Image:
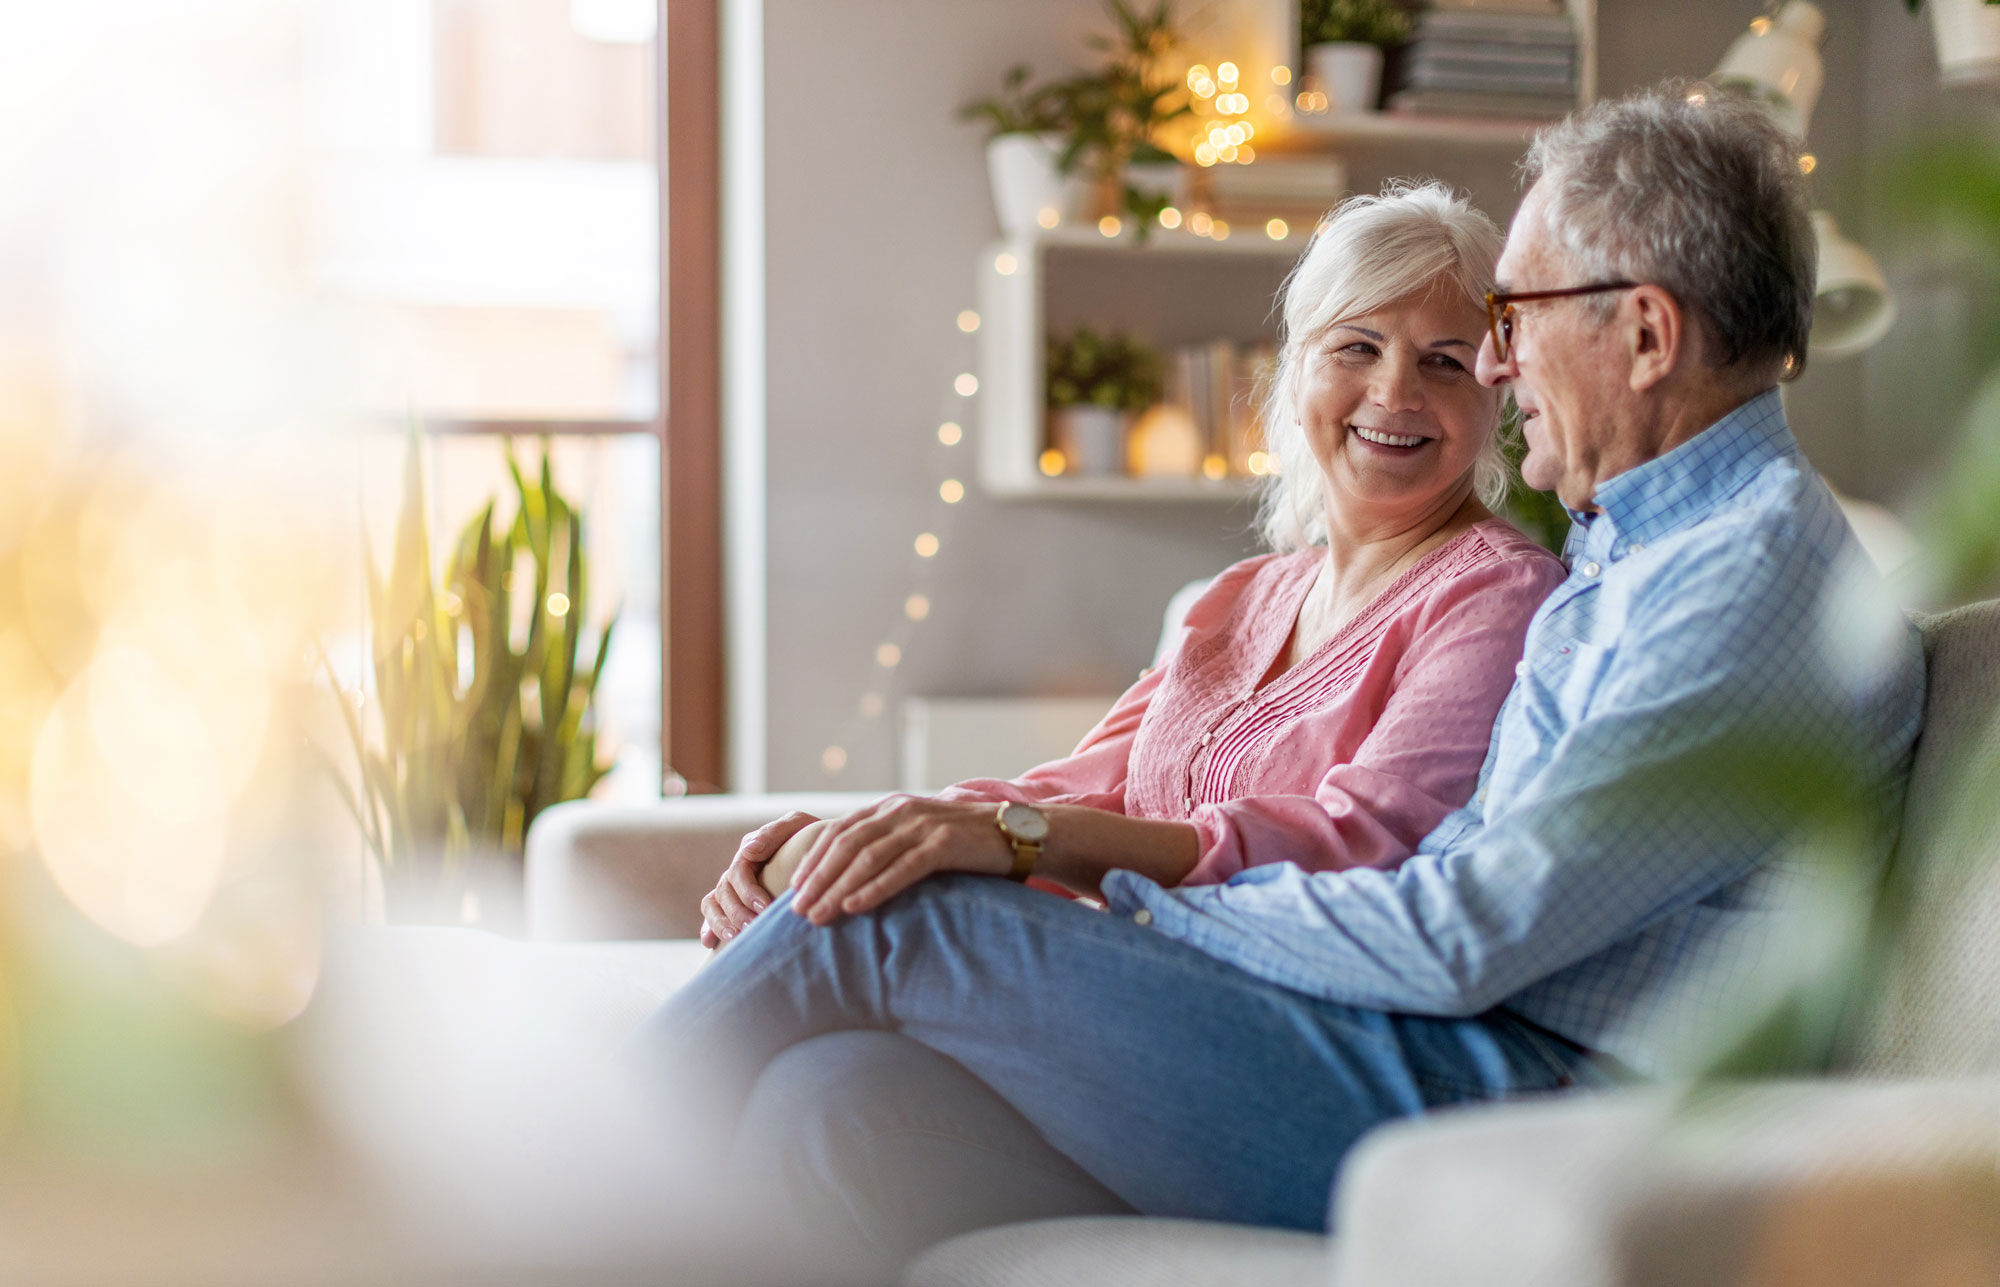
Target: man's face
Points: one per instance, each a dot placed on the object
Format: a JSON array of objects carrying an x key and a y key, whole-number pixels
[{"x": 1565, "y": 372}]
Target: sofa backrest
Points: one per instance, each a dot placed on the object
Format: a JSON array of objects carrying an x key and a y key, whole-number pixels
[{"x": 1938, "y": 1010}]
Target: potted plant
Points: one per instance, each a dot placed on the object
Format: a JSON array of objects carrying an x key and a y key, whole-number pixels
[
  {"x": 1024, "y": 150},
  {"x": 1968, "y": 40},
  {"x": 1095, "y": 383},
  {"x": 1114, "y": 116},
  {"x": 1343, "y": 42},
  {"x": 481, "y": 710}
]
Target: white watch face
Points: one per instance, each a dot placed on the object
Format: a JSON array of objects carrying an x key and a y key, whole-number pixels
[{"x": 1024, "y": 822}]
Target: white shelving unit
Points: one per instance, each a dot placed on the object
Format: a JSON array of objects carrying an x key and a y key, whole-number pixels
[
  {"x": 1175, "y": 288},
  {"x": 1178, "y": 288}
]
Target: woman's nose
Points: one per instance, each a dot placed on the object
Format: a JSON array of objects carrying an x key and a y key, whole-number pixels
[{"x": 1397, "y": 387}]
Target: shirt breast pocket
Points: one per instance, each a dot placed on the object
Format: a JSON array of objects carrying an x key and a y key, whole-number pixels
[{"x": 1564, "y": 683}]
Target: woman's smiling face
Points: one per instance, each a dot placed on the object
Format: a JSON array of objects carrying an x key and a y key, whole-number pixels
[{"x": 1392, "y": 410}]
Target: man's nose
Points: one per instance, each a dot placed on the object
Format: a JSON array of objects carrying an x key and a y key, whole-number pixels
[{"x": 1492, "y": 372}]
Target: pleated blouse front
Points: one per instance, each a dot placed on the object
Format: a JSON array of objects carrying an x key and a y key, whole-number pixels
[{"x": 1346, "y": 759}]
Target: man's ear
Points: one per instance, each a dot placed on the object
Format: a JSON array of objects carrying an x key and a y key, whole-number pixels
[{"x": 1657, "y": 333}]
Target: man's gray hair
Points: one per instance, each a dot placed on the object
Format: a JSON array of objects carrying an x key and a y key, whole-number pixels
[
  {"x": 1697, "y": 192},
  {"x": 1369, "y": 253}
]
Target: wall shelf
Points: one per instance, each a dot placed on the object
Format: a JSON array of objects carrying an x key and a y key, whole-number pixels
[{"x": 1174, "y": 289}]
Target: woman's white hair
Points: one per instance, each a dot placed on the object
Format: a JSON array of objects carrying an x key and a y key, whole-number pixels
[{"x": 1370, "y": 252}]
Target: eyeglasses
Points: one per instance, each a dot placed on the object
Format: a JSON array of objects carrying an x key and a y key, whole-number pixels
[{"x": 1500, "y": 309}]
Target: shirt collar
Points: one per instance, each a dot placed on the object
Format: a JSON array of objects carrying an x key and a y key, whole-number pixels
[{"x": 1669, "y": 492}]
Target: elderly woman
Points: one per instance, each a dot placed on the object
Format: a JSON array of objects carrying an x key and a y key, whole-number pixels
[{"x": 1327, "y": 704}]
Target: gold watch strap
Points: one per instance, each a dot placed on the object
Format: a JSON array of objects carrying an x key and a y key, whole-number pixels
[{"x": 1026, "y": 854}]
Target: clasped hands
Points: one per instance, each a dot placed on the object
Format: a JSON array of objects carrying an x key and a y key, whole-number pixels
[{"x": 853, "y": 864}]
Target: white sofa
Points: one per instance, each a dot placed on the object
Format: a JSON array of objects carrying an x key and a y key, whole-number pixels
[{"x": 1886, "y": 1173}]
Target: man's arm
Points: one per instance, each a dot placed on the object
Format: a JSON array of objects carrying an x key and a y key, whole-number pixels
[{"x": 1713, "y": 734}]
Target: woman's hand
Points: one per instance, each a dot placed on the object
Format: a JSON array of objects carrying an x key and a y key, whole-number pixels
[
  {"x": 867, "y": 858},
  {"x": 740, "y": 895}
]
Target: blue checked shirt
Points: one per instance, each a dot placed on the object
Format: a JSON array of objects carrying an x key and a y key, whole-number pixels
[{"x": 1598, "y": 884}]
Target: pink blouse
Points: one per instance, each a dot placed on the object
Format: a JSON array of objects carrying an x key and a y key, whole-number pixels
[{"x": 1349, "y": 758}]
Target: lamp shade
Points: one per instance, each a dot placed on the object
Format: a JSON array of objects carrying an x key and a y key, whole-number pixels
[
  {"x": 1777, "y": 63},
  {"x": 1852, "y": 306}
]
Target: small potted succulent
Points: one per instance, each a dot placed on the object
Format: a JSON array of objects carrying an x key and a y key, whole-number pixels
[
  {"x": 1096, "y": 383},
  {"x": 1025, "y": 148},
  {"x": 1343, "y": 41}
]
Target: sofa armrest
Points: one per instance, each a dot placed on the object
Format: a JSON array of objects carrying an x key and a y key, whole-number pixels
[
  {"x": 1823, "y": 1183},
  {"x": 597, "y": 870}
]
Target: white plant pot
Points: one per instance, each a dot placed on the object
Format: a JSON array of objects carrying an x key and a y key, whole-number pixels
[
  {"x": 1028, "y": 191},
  {"x": 1968, "y": 41},
  {"x": 1349, "y": 74},
  {"x": 1091, "y": 438}
]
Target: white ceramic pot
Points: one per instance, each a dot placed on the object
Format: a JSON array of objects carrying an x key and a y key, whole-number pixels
[
  {"x": 1349, "y": 74},
  {"x": 1091, "y": 438},
  {"x": 1026, "y": 185},
  {"x": 1968, "y": 41}
]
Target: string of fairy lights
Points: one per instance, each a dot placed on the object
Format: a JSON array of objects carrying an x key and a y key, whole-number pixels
[
  {"x": 1223, "y": 137},
  {"x": 924, "y": 546}
]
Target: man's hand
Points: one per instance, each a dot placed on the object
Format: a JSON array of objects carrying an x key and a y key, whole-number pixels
[
  {"x": 739, "y": 896},
  {"x": 867, "y": 858}
]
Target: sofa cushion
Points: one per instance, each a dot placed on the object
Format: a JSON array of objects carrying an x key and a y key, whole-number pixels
[
  {"x": 1126, "y": 1251},
  {"x": 1938, "y": 1011}
]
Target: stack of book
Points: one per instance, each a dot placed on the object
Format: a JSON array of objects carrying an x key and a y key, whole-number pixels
[
  {"x": 1510, "y": 58},
  {"x": 1296, "y": 189},
  {"x": 1222, "y": 385}
]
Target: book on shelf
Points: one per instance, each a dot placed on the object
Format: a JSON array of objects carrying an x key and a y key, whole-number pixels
[
  {"x": 1481, "y": 82},
  {"x": 1494, "y": 28},
  {"x": 1439, "y": 102},
  {"x": 1509, "y": 8},
  {"x": 1221, "y": 384},
  {"x": 1297, "y": 189}
]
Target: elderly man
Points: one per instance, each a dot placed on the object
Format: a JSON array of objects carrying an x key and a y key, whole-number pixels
[{"x": 1712, "y": 677}]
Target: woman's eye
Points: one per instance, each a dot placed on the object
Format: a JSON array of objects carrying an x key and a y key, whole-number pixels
[
  {"x": 1360, "y": 348},
  {"x": 1446, "y": 362}
]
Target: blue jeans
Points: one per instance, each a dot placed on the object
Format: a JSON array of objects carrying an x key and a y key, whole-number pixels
[{"x": 1052, "y": 1059}]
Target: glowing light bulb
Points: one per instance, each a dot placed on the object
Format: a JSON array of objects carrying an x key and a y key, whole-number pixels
[
  {"x": 1808, "y": 163},
  {"x": 1275, "y": 104},
  {"x": 1051, "y": 463},
  {"x": 1200, "y": 224},
  {"x": 871, "y": 705},
  {"x": 949, "y": 433},
  {"x": 968, "y": 321},
  {"x": 926, "y": 545},
  {"x": 1277, "y": 230},
  {"x": 1226, "y": 73},
  {"x": 917, "y": 607},
  {"x": 1005, "y": 264},
  {"x": 1204, "y": 154},
  {"x": 1219, "y": 230},
  {"x": 1170, "y": 218},
  {"x": 1048, "y": 216},
  {"x": 1214, "y": 467},
  {"x": 1281, "y": 75},
  {"x": 1228, "y": 153},
  {"x": 833, "y": 759},
  {"x": 1259, "y": 463},
  {"x": 558, "y": 604},
  {"x": 951, "y": 491},
  {"x": 888, "y": 656},
  {"x": 1245, "y": 154},
  {"x": 1203, "y": 88},
  {"x": 1110, "y": 226},
  {"x": 966, "y": 384}
]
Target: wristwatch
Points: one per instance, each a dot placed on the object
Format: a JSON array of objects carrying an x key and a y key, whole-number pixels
[{"x": 1025, "y": 827}]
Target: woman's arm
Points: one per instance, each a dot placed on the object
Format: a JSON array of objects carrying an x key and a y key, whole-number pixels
[{"x": 869, "y": 857}]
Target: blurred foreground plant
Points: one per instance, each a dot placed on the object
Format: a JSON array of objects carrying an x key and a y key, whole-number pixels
[{"x": 482, "y": 715}]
